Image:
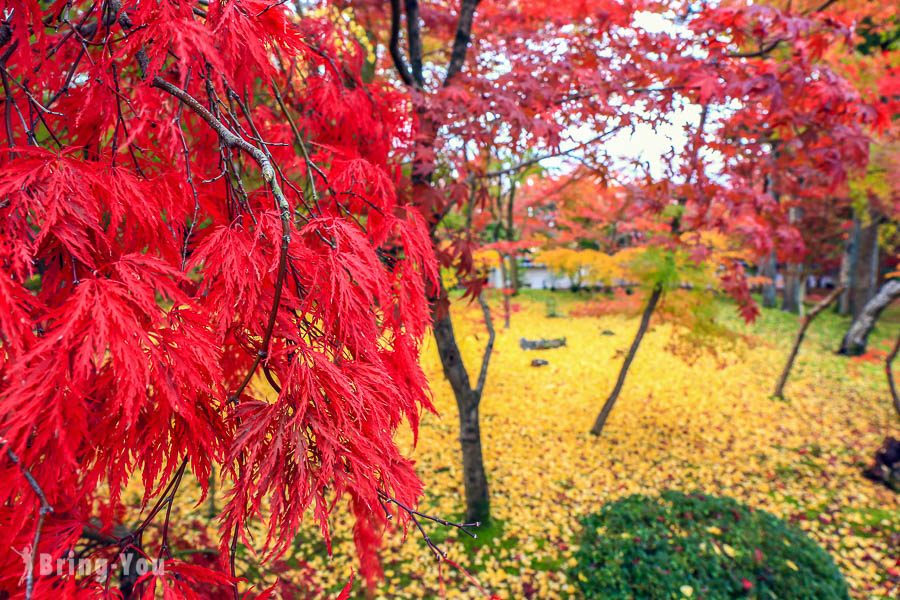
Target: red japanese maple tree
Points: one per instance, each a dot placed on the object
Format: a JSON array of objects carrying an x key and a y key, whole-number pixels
[{"x": 197, "y": 202}]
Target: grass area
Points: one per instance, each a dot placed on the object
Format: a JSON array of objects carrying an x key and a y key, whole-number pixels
[{"x": 685, "y": 421}]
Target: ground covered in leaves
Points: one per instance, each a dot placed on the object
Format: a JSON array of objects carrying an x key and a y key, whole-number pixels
[{"x": 687, "y": 420}]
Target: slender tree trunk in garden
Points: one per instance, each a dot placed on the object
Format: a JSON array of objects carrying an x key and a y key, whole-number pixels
[
  {"x": 846, "y": 274},
  {"x": 642, "y": 329},
  {"x": 769, "y": 292},
  {"x": 474, "y": 476},
  {"x": 468, "y": 400},
  {"x": 801, "y": 333},
  {"x": 504, "y": 276},
  {"x": 793, "y": 289},
  {"x": 793, "y": 279},
  {"x": 865, "y": 272},
  {"x": 854, "y": 342},
  {"x": 514, "y": 273}
]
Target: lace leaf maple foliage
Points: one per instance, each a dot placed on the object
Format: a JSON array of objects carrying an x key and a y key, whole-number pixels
[{"x": 196, "y": 201}]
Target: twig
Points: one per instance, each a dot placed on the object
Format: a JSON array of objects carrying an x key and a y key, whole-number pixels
[
  {"x": 415, "y": 515},
  {"x": 43, "y": 511}
]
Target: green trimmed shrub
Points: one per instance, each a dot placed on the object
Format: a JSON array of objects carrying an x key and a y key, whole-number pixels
[{"x": 696, "y": 546}]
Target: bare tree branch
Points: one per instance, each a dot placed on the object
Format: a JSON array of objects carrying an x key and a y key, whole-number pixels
[
  {"x": 764, "y": 50},
  {"x": 463, "y": 37},
  {"x": 394, "y": 45},
  {"x": 414, "y": 39},
  {"x": 488, "y": 348},
  {"x": 533, "y": 161},
  {"x": 44, "y": 509}
]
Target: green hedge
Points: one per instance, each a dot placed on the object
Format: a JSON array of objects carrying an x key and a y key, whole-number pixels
[{"x": 692, "y": 545}]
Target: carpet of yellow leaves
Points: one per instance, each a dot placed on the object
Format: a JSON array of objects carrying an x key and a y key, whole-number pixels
[{"x": 707, "y": 423}]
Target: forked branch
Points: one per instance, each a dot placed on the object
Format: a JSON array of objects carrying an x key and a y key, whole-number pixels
[
  {"x": 44, "y": 509},
  {"x": 230, "y": 139},
  {"x": 415, "y": 516}
]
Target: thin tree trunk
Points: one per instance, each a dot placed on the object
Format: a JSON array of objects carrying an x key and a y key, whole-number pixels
[
  {"x": 793, "y": 278},
  {"x": 642, "y": 329},
  {"x": 890, "y": 375},
  {"x": 846, "y": 275},
  {"x": 793, "y": 289},
  {"x": 504, "y": 276},
  {"x": 769, "y": 292},
  {"x": 857, "y": 336},
  {"x": 467, "y": 403},
  {"x": 478, "y": 509},
  {"x": 801, "y": 333},
  {"x": 865, "y": 276},
  {"x": 510, "y": 235}
]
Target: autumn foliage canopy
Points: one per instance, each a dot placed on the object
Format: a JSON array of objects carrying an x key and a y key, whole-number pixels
[{"x": 196, "y": 199}]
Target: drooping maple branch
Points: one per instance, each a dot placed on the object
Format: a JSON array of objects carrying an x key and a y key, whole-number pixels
[
  {"x": 189, "y": 177},
  {"x": 310, "y": 165},
  {"x": 462, "y": 39},
  {"x": 262, "y": 158},
  {"x": 170, "y": 500},
  {"x": 801, "y": 333},
  {"x": 44, "y": 509}
]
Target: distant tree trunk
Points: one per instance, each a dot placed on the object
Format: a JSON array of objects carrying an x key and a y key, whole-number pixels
[
  {"x": 769, "y": 268},
  {"x": 854, "y": 342},
  {"x": 864, "y": 281},
  {"x": 505, "y": 287},
  {"x": 890, "y": 375},
  {"x": 801, "y": 333},
  {"x": 792, "y": 301},
  {"x": 510, "y": 235},
  {"x": 793, "y": 278},
  {"x": 846, "y": 275},
  {"x": 514, "y": 273},
  {"x": 468, "y": 400},
  {"x": 642, "y": 329}
]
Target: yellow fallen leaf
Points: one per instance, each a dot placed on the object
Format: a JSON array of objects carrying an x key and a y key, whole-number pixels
[
  {"x": 791, "y": 565},
  {"x": 728, "y": 550},
  {"x": 714, "y": 530},
  {"x": 687, "y": 590}
]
